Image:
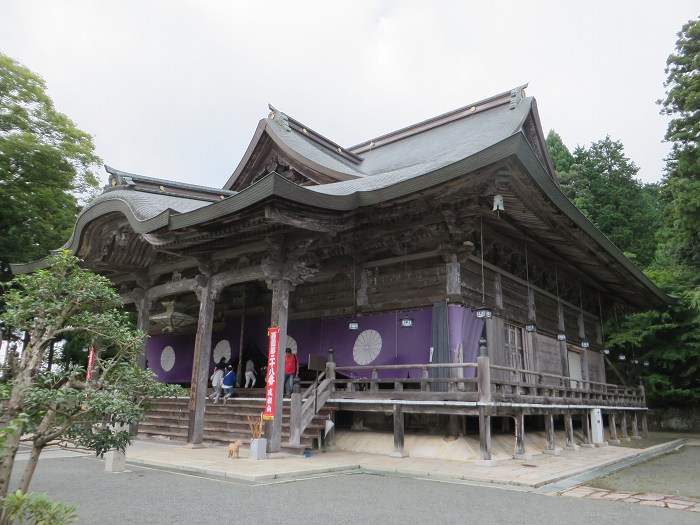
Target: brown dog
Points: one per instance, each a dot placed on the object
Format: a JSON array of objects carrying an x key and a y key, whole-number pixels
[{"x": 233, "y": 449}]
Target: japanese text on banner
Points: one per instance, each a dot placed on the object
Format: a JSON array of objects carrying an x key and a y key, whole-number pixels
[{"x": 274, "y": 334}]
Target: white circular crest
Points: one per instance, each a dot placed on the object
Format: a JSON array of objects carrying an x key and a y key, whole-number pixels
[
  {"x": 222, "y": 349},
  {"x": 167, "y": 358},
  {"x": 291, "y": 343},
  {"x": 367, "y": 347}
]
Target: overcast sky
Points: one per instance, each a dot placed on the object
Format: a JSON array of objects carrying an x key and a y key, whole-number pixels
[{"x": 175, "y": 89}]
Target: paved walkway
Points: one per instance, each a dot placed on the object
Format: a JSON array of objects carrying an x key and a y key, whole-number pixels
[
  {"x": 652, "y": 500},
  {"x": 564, "y": 474}
]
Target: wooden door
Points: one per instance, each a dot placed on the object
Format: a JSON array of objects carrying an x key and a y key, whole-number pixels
[{"x": 575, "y": 369}]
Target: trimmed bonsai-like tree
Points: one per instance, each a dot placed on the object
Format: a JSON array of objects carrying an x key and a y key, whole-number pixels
[{"x": 42, "y": 407}]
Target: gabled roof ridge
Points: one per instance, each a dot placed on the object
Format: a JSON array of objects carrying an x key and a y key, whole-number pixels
[
  {"x": 511, "y": 97},
  {"x": 287, "y": 123},
  {"x": 120, "y": 178}
]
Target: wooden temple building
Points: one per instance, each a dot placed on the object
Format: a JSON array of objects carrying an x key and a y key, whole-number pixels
[{"x": 440, "y": 264}]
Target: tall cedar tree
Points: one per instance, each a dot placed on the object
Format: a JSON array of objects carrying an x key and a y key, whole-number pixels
[
  {"x": 682, "y": 179},
  {"x": 669, "y": 340},
  {"x": 601, "y": 182}
]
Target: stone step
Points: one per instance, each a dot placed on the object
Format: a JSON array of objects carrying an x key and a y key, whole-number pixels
[{"x": 169, "y": 419}]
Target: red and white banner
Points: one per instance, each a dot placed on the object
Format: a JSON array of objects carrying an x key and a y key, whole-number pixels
[
  {"x": 91, "y": 363},
  {"x": 271, "y": 380}
]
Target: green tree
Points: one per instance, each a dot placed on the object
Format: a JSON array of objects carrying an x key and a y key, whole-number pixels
[
  {"x": 43, "y": 407},
  {"x": 45, "y": 168},
  {"x": 601, "y": 182},
  {"x": 560, "y": 154},
  {"x": 681, "y": 184},
  {"x": 670, "y": 340}
]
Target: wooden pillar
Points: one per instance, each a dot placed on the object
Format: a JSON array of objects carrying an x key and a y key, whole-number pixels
[
  {"x": 239, "y": 369},
  {"x": 295, "y": 415},
  {"x": 613, "y": 429},
  {"x": 399, "y": 451},
  {"x": 642, "y": 394},
  {"x": 374, "y": 384},
  {"x": 202, "y": 358},
  {"x": 563, "y": 350},
  {"x": 357, "y": 421},
  {"x": 453, "y": 277},
  {"x": 635, "y": 426},
  {"x": 519, "y": 452},
  {"x": 586, "y": 427},
  {"x": 329, "y": 437},
  {"x": 549, "y": 430},
  {"x": 424, "y": 385},
  {"x": 330, "y": 368},
  {"x": 143, "y": 307},
  {"x": 569, "y": 428},
  {"x": 483, "y": 379},
  {"x": 625, "y": 436},
  {"x": 280, "y": 314},
  {"x": 456, "y": 425},
  {"x": 484, "y": 436}
]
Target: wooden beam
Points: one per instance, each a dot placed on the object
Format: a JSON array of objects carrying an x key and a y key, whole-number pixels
[
  {"x": 219, "y": 281},
  {"x": 532, "y": 286},
  {"x": 242, "y": 275},
  {"x": 401, "y": 259},
  {"x": 174, "y": 288}
]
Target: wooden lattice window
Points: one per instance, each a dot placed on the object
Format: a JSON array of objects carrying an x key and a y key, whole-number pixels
[{"x": 515, "y": 351}]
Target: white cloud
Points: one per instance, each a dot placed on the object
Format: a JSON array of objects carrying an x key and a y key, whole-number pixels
[{"x": 174, "y": 89}]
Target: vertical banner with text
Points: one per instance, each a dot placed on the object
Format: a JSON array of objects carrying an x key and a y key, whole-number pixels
[
  {"x": 91, "y": 362},
  {"x": 271, "y": 380}
]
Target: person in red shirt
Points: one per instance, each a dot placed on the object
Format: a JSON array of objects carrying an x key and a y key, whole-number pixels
[{"x": 291, "y": 370}]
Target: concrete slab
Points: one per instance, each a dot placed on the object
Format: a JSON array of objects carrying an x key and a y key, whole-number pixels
[{"x": 542, "y": 470}]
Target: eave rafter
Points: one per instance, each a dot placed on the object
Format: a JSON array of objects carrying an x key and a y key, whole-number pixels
[{"x": 561, "y": 234}]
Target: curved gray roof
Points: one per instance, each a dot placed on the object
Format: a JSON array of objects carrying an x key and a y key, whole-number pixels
[
  {"x": 314, "y": 153},
  {"x": 144, "y": 206},
  {"x": 406, "y": 161},
  {"x": 430, "y": 150}
]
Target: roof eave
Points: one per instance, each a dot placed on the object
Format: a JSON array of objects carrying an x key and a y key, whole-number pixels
[{"x": 551, "y": 189}]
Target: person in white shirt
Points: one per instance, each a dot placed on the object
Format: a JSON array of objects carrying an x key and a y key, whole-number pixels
[{"x": 250, "y": 376}]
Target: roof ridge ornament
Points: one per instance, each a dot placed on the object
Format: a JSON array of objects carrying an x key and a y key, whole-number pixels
[
  {"x": 516, "y": 95},
  {"x": 281, "y": 118}
]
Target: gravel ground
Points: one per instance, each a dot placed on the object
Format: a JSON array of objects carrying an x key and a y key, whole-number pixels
[{"x": 674, "y": 474}]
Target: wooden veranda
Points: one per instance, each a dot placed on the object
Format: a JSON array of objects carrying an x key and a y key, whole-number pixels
[{"x": 491, "y": 391}]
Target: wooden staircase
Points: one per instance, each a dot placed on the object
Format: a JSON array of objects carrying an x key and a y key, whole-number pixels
[{"x": 168, "y": 419}]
